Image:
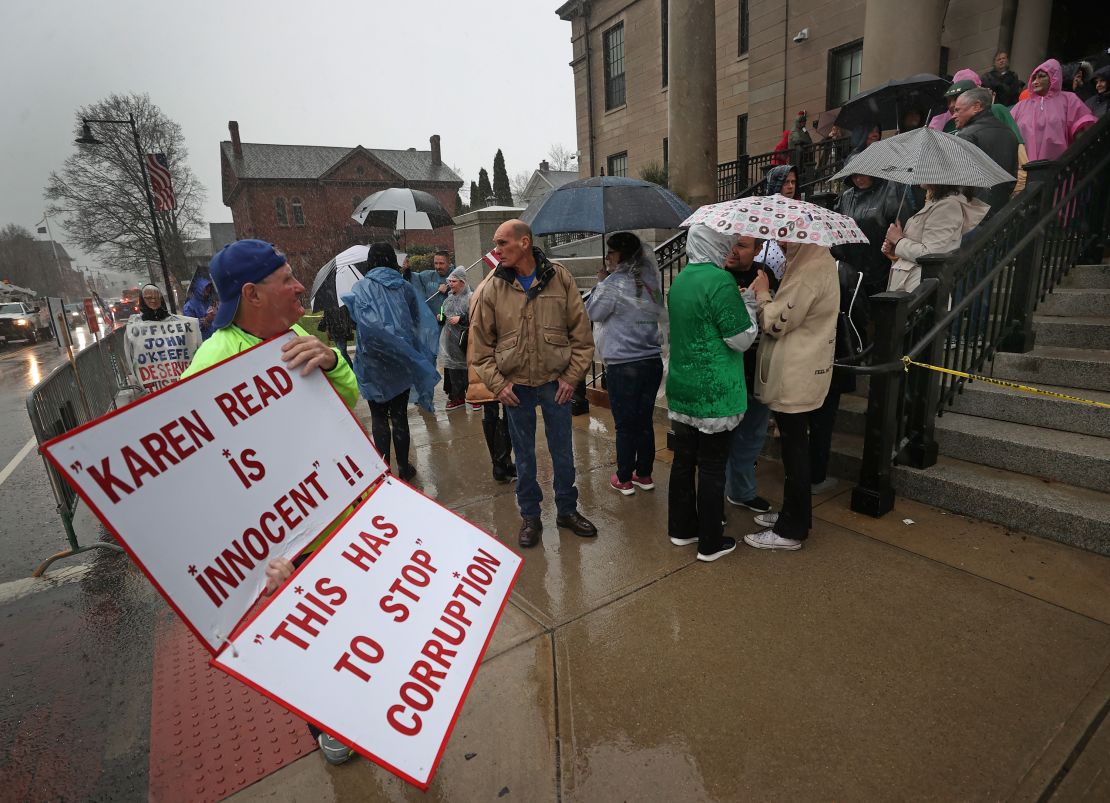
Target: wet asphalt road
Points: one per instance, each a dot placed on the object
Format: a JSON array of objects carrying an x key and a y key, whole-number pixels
[{"x": 76, "y": 650}]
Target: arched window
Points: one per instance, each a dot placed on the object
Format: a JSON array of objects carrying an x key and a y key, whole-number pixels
[
  {"x": 279, "y": 209},
  {"x": 298, "y": 212}
]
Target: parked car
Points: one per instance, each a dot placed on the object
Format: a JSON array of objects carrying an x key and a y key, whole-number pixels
[
  {"x": 124, "y": 309},
  {"x": 23, "y": 321}
]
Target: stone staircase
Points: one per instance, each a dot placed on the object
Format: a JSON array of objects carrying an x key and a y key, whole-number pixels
[{"x": 1028, "y": 462}]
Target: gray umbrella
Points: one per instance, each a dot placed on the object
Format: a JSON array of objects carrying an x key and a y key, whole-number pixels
[
  {"x": 604, "y": 204},
  {"x": 927, "y": 156}
]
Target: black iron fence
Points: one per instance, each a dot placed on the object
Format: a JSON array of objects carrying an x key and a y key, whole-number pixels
[
  {"x": 973, "y": 303},
  {"x": 746, "y": 175}
]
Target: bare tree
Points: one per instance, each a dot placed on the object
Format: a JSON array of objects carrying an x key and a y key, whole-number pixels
[
  {"x": 99, "y": 191},
  {"x": 562, "y": 158},
  {"x": 519, "y": 184}
]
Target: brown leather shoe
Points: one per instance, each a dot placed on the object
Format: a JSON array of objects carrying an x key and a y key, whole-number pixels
[
  {"x": 530, "y": 530},
  {"x": 577, "y": 523}
]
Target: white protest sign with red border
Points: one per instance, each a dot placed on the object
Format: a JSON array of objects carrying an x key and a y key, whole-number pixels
[
  {"x": 159, "y": 351},
  {"x": 207, "y": 480},
  {"x": 378, "y": 635}
]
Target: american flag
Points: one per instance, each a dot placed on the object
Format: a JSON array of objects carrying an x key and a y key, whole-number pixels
[{"x": 159, "y": 170}]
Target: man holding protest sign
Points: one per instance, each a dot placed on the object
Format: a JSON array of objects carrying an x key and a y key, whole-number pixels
[
  {"x": 260, "y": 299},
  {"x": 531, "y": 346}
]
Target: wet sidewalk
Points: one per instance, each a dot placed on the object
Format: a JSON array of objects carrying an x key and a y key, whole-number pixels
[{"x": 923, "y": 655}]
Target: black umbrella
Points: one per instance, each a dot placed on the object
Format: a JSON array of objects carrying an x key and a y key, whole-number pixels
[
  {"x": 884, "y": 104},
  {"x": 605, "y": 204}
]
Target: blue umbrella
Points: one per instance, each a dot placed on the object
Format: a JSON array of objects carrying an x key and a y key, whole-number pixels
[{"x": 604, "y": 204}]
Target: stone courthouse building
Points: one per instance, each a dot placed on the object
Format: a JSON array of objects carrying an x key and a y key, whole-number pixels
[
  {"x": 301, "y": 197},
  {"x": 652, "y": 77}
]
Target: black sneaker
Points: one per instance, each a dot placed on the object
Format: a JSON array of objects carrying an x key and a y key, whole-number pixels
[
  {"x": 727, "y": 545},
  {"x": 756, "y": 503}
]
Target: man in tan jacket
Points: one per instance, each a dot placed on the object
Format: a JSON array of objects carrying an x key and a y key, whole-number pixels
[{"x": 531, "y": 346}]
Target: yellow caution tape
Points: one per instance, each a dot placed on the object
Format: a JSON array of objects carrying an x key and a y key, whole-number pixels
[{"x": 1001, "y": 382}]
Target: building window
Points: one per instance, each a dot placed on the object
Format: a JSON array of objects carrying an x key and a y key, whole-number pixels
[
  {"x": 614, "y": 66},
  {"x": 666, "y": 152},
  {"x": 741, "y": 135},
  {"x": 298, "y": 212},
  {"x": 744, "y": 30},
  {"x": 618, "y": 164},
  {"x": 663, "y": 11},
  {"x": 845, "y": 68},
  {"x": 282, "y": 214}
]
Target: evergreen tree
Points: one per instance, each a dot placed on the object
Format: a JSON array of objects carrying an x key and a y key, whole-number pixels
[
  {"x": 485, "y": 191},
  {"x": 502, "y": 191},
  {"x": 475, "y": 201},
  {"x": 460, "y": 207}
]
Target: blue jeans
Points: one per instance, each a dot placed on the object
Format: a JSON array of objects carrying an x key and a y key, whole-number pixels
[
  {"x": 522, "y": 431},
  {"x": 747, "y": 443},
  {"x": 632, "y": 389}
]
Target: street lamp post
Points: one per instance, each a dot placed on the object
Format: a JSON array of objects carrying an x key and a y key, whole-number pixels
[{"x": 87, "y": 138}]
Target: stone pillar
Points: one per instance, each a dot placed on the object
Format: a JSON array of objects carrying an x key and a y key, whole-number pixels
[
  {"x": 1030, "y": 36},
  {"x": 474, "y": 236},
  {"x": 692, "y": 101},
  {"x": 900, "y": 40}
]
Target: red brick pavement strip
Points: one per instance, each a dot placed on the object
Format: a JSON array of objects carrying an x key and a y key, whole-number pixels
[{"x": 211, "y": 735}]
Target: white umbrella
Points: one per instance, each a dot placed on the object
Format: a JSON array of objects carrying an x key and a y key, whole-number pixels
[
  {"x": 407, "y": 209},
  {"x": 337, "y": 277},
  {"x": 776, "y": 217}
]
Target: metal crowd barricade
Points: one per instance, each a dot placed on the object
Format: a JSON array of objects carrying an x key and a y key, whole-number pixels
[{"x": 77, "y": 391}]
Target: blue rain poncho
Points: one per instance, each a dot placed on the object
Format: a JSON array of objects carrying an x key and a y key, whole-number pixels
[{"x": 397, "y": 338}]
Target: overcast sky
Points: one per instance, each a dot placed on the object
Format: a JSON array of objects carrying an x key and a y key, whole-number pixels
[{"x": 483, "y": 74}]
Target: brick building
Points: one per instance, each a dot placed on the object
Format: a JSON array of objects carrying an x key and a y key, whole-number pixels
[
  {"x": 772, "y": 59},
  {"x": 301, "y": 197}
]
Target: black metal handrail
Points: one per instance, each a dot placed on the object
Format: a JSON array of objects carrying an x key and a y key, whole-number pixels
[
  {"x": 974, "y": 303},
  {"x": 815, "y": 161}
]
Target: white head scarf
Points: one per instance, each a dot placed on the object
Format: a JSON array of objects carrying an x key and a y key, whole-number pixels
[{"x": 706, "y": 244}]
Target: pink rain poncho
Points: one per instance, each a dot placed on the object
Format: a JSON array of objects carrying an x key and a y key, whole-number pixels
[{"x": 1050, "y": 123}]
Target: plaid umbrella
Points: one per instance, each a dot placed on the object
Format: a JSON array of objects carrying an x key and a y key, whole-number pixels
[
  {"x": 776, "y": 217},
  {"x": 927, "y": 156}
]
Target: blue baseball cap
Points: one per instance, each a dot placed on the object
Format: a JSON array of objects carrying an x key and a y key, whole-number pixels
[{"x": 236, "y": 264}]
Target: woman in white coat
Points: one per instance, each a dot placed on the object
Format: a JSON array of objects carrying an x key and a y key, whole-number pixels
[{"x": 949, "y": 213}]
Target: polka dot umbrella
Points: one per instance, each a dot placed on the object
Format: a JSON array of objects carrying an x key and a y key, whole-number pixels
[{"x": 776, "y": 217}]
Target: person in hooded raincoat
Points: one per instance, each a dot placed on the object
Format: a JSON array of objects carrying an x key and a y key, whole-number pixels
[
  {"x": 711, "y": 327},
  {"x": 199, "y": 305},
  {"x": 1050, "y": 119},
  {"x": 454, "y": 316},
  {"x": 627, "y": 310},
  {"x": 1099, "y": 102},
  {"x": 874, "y": 204},
  {"x": 395, "y": 351},
  {"x": 781, "y": 180}
]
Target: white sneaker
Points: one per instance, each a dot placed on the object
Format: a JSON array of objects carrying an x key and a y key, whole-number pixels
[
  {"x": 769, "y": 540},
  {"x": 683, "y": 541},
  {"x": 767, "y": 519},
  {"x": 826, "y": 484}
]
